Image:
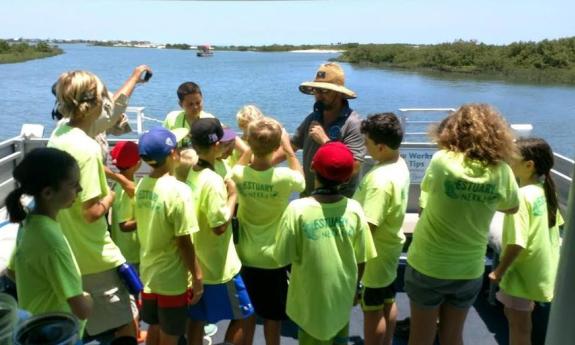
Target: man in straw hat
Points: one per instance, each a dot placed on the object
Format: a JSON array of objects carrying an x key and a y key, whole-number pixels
[{"x": 331, "y": 120}]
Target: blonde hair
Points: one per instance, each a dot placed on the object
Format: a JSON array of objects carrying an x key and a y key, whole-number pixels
[
  {"x": 247, "y": 114},
  {"x": 479, "y": 132},
  {"x": 264, "y": 136},
  {"x": 188, "y": 158},
  {"x": 78, "y": 92}
]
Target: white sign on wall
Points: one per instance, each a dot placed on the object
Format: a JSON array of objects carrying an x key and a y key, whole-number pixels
[{"x": 417, "y": 161}]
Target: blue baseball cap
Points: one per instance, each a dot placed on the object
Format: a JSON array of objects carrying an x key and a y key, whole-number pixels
[{"x": 156, "y": 144}]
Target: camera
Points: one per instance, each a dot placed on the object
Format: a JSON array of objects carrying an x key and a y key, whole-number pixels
[{"x": 146, "y": 75}]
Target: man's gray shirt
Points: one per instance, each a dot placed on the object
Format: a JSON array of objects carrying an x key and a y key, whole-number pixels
[{"x": 345, "y": 129}]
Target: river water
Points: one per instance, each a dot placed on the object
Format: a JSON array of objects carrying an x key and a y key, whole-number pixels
[{"x": 270, "y": 80}]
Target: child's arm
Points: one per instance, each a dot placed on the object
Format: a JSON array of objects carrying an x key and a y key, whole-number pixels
[
  {"x": 96, "y": 208},
  {"x": 293, "y": 162},
  {"x": 510, "y": 253},
  {"x": 128, "y": 226},
  {"x": 81, "y": 305},
  {"x": 246, "y": 157},
  {"x": 188, "y": 253},
  {"x": 241, "y": 146},
  {"x": 127, "y": 185},
  {"x": 231, "y": 204}
]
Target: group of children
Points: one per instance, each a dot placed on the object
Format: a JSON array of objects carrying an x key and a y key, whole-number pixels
[{"x": 176, "y": 227}]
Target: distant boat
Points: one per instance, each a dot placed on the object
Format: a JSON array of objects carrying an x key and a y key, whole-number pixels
[{"x": 205, "y": 51}]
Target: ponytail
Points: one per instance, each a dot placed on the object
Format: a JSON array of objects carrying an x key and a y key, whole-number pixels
[
  {"x": 538, "y": 151},
  {"x": 16, "y": 212},
  {"x": 32, "y": 182},
  {"x": 551, "y": 197}
]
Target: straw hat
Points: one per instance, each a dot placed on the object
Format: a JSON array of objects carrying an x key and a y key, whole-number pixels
[{"x": 329, "y": 76}]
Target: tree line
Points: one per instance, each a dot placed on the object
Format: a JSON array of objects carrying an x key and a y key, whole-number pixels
[
  {"x": 22, "y": 51},
  {"x": 547, "y": 60}
]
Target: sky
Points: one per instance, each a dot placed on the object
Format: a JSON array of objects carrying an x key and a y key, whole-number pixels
[{"x": 289, "y": 22}]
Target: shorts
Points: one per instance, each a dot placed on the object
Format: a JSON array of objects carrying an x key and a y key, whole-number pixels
[
  {"x": 375, "y": 298},
  {"x": 169, "y": 312},
  {"x": 112, "y": 304},
  {"x": 428, "y": 292},
  {"x": 226, "y": 301},
  {"x": 341, "y": 338},
  {"x": 267, "y": 289},
  {"x": 515, "y": 303}
]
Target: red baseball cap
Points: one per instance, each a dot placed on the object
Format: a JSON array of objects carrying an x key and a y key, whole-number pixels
[
  {"x": 125, "y": 154},
  {"x": 333, "y": 161}
]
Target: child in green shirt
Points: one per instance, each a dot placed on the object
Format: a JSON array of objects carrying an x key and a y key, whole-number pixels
[
  {"x": 263, "y": 193},
  {"x": 225, "y": 296},
  {"x": 466, "y": 181},
  {"x": 191, "y": 100},
  {"x": 166, "y": 222},
  {"x": 528, "y": 266},
  {"x": 382, "y": 193},
  {"x": 126, "y": 158},
  {"x": 46, "y": 273},
  {"x": 326, "y": 239}
]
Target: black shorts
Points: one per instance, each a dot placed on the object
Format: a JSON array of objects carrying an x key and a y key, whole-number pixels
[
  {"x": 268, "y": 291},
  {"x": 376, "y": 298},
  {"x": 169, "y": 312}
]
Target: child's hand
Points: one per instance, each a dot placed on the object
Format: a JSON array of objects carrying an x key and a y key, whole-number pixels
[
  {"x": 494, "y": 277},
  {"x": 197, "y": 291}
]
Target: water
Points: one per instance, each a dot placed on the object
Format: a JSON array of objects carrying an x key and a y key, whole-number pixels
[{"x": 270, "y": 80}]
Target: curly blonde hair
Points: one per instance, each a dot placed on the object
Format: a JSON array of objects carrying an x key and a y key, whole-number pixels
[
  {"x": 247, "y": 114},
  {"x": 479, "y": 132},
  {"x": 264, "y": 136},
  {"x": 78, "y": 92}
]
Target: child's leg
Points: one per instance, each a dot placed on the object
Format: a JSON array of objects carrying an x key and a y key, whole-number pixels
[
  {"x": 451, "y": 322},
  {"x": 518, "y": 312},
  {"x": 519, "y": 326},
  {"x": 272, "y": 331},
  {"x": 166, "y": 339},
  {"x": 195, "y": 332},
  {"x": 380, "y": 314},
  {"x": 235, "y": 332},
  {"x": 153, "y": 337},
  {"x": 374, "y": 327},
  {"x": 390, "y": 314},
  {"x": 250, "y": 330},
  {"x": 423, "y": 325}
]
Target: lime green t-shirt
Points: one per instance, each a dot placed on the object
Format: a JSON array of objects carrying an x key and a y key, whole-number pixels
[
  {"x": 164, "y": 211},
  {"x": 383, "y": 195},
  {"x": 459, "y": 197},
  {"x": 91, "y": 243},
  {"x": 47, "y": 274},
  {"x": 177, "y": 119},
  {"x": 123, "y": 211},
  {"x": 262, "y": 198},
  {"x": 532, "y": 274},
  {"x": 222, "y": 168},
  {"x": 216, "y": 253},
  {"x": 324, "y": 243}
]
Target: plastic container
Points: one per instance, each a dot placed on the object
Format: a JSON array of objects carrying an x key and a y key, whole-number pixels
[
  {"x": 8, "y": 318},
  {"x": 130, "y": 278},
  {"x": 48, "y": 329}
]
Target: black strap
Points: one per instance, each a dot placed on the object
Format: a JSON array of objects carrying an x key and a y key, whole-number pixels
[{"x": 325, "y": 191}]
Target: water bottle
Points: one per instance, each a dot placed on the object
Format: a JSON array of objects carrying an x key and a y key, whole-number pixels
[{"x": 130, "y": 278}]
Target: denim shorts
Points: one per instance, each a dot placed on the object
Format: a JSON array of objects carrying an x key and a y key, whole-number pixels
[{"x": 428, "y": 292}]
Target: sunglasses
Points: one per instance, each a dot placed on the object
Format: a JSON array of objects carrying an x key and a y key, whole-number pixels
[{"x": 321, "y": 91}]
